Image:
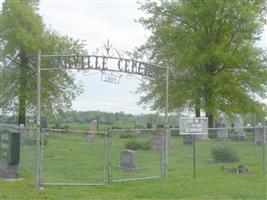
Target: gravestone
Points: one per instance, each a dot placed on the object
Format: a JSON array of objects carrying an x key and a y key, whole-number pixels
[
  {"x": 138, "y": 128},
  {"x": 43, "y": 124},
  {"x": 239, "y": 133},
  {"x": 156, "y": 143},
  {"x": 31, "y": 127},
  {"x": 66, "y": 128},
  {"x": 92, "y": 131},
  {"x": 157, "y": 140},
  {"x": 149, "y": 125},
  {"x": 222, "y": 133},
  {"x": 128, "y": 160},
  {"x": 160, "y": 125},
  {"x": 202, "y": 137},
  {"x": 259, "y": 134},
  {"x": 9, "y": 152}
]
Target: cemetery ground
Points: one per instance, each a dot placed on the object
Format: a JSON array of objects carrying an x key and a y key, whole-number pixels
[{"x": 69, "y": 158}]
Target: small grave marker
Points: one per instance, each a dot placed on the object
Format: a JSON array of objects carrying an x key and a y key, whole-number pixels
[
  {"x": 222, "y": 134},
  {"x": 92, "y": 131},
  {"x": 239, "y": 133},
  {"x": 128, "y": 160},
  {"x": 259, "y": 134}
]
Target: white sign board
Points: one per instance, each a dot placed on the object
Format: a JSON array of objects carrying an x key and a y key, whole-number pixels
[
  {"x": 110, "y": 77},
  {"x": 193, "y": 126}
]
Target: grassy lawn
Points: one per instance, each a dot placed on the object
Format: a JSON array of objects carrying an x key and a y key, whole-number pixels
[{"x": 69, "y": 158}]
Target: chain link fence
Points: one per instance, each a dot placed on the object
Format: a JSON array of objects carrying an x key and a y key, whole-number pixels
[
  {"x": 28, "y": 149},
  {"x": 72, "y": 157},
  {"x": 136, "y": 154},
  {"x": 223, "y": 151}
]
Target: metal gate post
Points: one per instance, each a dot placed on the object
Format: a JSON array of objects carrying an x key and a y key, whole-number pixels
[
  {"x": 109, "y": 156},
  {"x": 166, "y": 126},
  {"x": 162, "y": 161},
  {"x": 263, "y": 149},
  {"x": 38, "y": 172},
  {"x": 105, "y": 158}
]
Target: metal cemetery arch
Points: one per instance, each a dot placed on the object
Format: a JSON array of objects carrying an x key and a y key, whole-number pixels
[{"x": 96, "y": 62}]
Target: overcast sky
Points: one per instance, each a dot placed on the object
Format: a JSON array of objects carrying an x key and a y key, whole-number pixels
[{"x": 96, "y": 22}]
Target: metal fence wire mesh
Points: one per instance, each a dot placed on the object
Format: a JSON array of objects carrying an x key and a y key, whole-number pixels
[
  {"x": 221, "y": 153},
  {"x": 73, "y": 157},
  {"x": 28, "y": 148},
  {"x": 136, "y": 154}
]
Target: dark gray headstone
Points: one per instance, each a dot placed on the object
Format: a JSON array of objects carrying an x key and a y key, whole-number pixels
[
  {"x": 9, "y": 152},
  {"x": 9, "y": 171}
]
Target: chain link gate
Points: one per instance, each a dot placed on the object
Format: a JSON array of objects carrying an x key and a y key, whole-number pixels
[
  {"x": 73, "y": 157},
  {"x": 52, "y": 174},
  {"x": 137, "y": 154}
]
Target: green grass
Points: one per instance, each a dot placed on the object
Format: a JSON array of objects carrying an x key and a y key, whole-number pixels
[{"x": 69, "y": 158}]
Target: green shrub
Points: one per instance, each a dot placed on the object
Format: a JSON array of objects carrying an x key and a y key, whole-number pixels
[
  {"x": 138, "y": 145},
  {"x": 127, "y": 136},
  {"x": 224, "y": 153}
]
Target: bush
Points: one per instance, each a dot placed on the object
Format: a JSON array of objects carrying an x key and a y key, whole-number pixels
[
  {"x": 127, "y": 136},
  {"x": 224, "y": 153},
  {"x": 138, "y": 145}
]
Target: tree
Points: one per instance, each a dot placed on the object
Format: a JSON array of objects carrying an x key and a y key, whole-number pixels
[
  {"x": 22, "y": 34},
  {"x": 210, "y": 48}
]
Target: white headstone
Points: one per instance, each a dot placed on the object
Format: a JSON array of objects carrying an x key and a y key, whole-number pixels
[
  {"x": 259, "y": 134},
  {"x": 222, "y": 133},
  {"x": 202, "y": 137},
  {"x": 239, "y": 133},
  {"x": 92, "y": 131}
]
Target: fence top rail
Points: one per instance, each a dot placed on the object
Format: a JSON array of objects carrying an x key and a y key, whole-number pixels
[
  {"x": 12, "y": 127},
  {"x": 72, "y": 131},
  {"x": 123, "y": 130},
  {"x": 228, "y": 128}
]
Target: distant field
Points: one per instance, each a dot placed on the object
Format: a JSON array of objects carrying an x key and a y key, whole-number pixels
[{"x": 69, "y": 158}]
